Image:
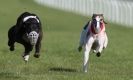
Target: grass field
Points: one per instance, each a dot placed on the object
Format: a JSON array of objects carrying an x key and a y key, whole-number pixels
[{"x": 60, "y": 59}]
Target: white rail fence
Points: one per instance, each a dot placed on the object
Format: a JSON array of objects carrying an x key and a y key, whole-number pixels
[{"x": 117, "y": 11}]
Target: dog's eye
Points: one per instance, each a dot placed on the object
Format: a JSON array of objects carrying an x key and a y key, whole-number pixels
[
  {"x": 94, "y": 19},
  {"x": 101, "y": 19}
]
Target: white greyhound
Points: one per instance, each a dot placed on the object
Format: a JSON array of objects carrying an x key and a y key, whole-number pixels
[{"x": 93, "y": 37}]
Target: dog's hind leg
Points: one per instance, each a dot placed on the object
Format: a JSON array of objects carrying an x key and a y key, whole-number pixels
[
  {"x": 11, "y": 38},
  {"x": 11, "y": 45}
]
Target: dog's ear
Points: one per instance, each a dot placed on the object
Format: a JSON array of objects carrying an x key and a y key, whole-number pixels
[
  {"x": 93, "y": 16},
  {"x": 101, "y": 15},
  {"x": 105, "y": 22},
  {"x": 103, "y": 18}
]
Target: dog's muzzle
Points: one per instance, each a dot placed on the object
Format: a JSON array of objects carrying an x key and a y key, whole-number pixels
[{"x": 33, "y": 37}]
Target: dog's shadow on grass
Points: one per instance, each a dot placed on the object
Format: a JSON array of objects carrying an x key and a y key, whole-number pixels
[{"x": 60, "y": 69}]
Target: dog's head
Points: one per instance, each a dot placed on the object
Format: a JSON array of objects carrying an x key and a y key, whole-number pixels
[{"x": 32, "y": 28}]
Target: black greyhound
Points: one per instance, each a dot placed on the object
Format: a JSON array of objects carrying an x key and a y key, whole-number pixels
[{"x": 28, "y": 32}]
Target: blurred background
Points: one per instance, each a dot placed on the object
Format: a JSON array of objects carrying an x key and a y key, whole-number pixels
[
  {"x": 62, "y": 22},
  {"x": 117, "y": 11}
]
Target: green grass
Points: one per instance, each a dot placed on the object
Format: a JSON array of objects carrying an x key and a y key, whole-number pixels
[{"x": 60, "y": 59}]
